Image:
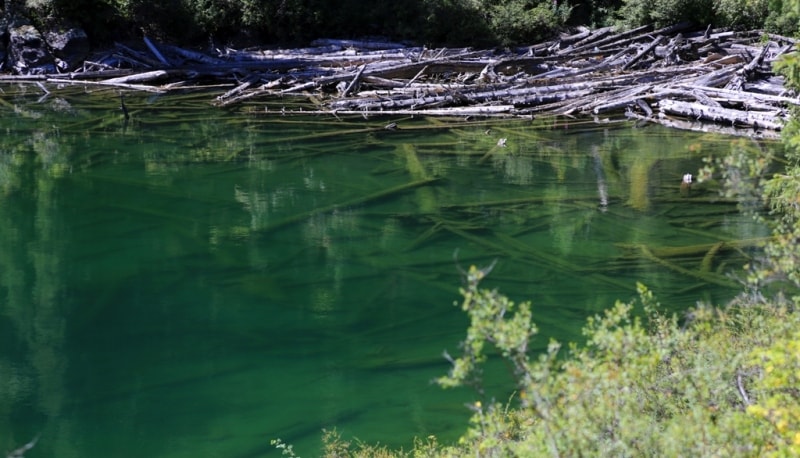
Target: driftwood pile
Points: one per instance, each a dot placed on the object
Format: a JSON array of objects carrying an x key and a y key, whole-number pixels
[{"x": 675, "y": 76}]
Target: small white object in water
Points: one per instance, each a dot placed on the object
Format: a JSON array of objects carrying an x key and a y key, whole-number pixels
[
  {"x": 687, "y": 178},
  {"x": 501, "y": 143}
]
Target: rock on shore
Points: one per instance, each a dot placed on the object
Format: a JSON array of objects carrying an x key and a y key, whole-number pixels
[{"x": 30, "y": 51}]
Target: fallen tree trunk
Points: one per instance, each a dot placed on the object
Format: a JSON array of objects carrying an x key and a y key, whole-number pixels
[
  {"x": 755, "y": 119},
  {"x": 146, "y": 77},
  {"x": 719, "y": 77}
]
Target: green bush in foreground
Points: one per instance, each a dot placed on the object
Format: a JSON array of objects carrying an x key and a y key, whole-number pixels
[
  {"x": 722, "y": 383},
  {"x": 642, "y": 386}
]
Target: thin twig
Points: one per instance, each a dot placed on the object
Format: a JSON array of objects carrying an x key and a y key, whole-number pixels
[{"x": 742, "y": 391}]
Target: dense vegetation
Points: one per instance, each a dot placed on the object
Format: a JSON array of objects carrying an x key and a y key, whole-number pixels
[{"x": 469, "y": 22}]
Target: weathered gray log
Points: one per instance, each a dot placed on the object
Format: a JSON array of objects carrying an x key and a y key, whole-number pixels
[
  {"x": 583, "y": 104},
  {"x": 354, "y": 82},
  {"x": 393, "y": 69},
  {"x": 136, "y": 56},
  {"x": 419, "y": 73},
  {"x": 503, "y": 111},
  {"x": 524, "y": 96},
  {"x": 644, "y": 107},
  {"x": 238, "y": 89},
  {"x": 745, "y": 73},
  {"x": 22, "y": 78},
  {"x": 594, "y": 36},
  {"x": 781, "y": 38},
  {"x": 132, "y": 87},
  {"x": 643, "y": 52},
  {"x": 701, "y": 126},
  {"x": 621, "y": 101},
  {"x": 377, "y": 81},
  {"x": 566, "y": 40},
  {"x": 718, "y": 78},
  {"x": 309, "y": 85},
  {"x": 153, "y": 49},
  {"x": 772, "y": 86},
  {"x": 193, "y": 55},
  {"x": 741, "y": 96},
  {"x": 703, "y": 98},
  {"x": 100, "y": 74},
  {"x": 265, "y": 89},
  {"x": 723, "y": 115},
  {"x": 147, "y": 77},
  {"x": 625, "y": 38}
]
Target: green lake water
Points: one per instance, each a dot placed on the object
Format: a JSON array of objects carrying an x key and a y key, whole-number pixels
[{"x": 198, "y": 281}]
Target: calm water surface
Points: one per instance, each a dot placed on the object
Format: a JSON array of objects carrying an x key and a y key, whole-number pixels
[{"x": 199, "y": 281}]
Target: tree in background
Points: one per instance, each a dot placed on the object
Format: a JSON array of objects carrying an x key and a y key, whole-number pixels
[{"x": 433, "y": 22}]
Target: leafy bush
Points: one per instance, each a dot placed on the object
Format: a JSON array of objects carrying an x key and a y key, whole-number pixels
[
  {"x": 456, "y": 21},
  {"x": 741, "y": 14},
  {"x": 783, "y": 17},
  {"x": 525, "y": 21},
  {"x": 640, "y": 386},
  {"x": 663, "y": 13}
]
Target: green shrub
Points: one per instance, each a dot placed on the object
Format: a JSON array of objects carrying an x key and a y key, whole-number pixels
[
  {"x": 783, "y": 17},
  {"x": 455, "y": 22},
  {"x": 663, "y": 13},
  {"x": 525, "y": 21},
  {"x": 639, "y": 386},
  {"x": 741, "y": 14}
]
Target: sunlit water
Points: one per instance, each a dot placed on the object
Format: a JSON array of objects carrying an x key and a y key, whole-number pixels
[{"x": 199, "y": 281}]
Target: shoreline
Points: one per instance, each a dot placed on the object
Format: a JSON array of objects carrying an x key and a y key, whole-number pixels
[{"x": 675, "y": 76}]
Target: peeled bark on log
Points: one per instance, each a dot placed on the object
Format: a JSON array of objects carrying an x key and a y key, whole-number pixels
[{"x": 147, "y": 77}]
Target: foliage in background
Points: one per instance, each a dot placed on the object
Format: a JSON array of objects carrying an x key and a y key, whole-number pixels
[
  {"x": 783, "y": 17},
  {"x": 435, "y": 22},
  {"x": 663, "y": 13},
  {"x": 775, "y": 16},
  {"x": 526, "y": 21},
  {"x": 432, "y": 22},
  {"x": 742, "y": 14}
]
